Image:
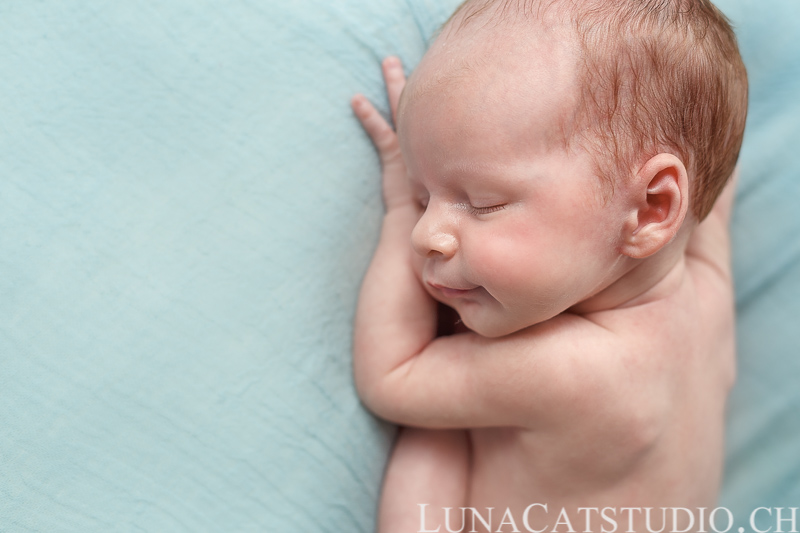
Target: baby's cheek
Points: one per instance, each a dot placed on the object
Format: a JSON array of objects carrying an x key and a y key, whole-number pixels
[
  {"x": 417, "y": 264},
  {"x": 505, "y": 262}
]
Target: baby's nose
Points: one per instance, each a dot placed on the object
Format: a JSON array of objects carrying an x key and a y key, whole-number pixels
[{"x": 431, "y": 237}]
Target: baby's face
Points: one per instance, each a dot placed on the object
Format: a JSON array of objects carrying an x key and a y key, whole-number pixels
[{"x": 515, "y": 229}]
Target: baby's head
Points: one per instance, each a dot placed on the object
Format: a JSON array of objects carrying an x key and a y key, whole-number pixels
[
  {"x": 552, "y": 112},
  {"x": 651, "y": 76}
]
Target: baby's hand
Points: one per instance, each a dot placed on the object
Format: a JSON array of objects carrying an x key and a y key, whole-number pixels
[{"x": 396, "y": 189}]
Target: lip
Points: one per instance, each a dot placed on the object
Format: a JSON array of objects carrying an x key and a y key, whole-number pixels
[{"x": 449, "y": 292}]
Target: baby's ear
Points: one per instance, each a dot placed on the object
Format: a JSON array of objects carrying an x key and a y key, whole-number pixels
[{"x": 660, "y": 200}]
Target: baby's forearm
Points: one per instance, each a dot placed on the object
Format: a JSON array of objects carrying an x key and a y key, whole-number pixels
[{"x": 396, "y": 318}]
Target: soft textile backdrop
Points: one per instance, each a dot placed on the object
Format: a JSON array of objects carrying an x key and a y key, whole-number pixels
[{"x": 187, "y": 207}]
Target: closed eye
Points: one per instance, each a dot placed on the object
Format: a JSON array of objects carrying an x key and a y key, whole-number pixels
[{"x": 486, "y": 210}]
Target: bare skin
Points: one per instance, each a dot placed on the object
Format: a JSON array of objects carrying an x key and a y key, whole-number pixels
[{"x": 600, "y": 341}]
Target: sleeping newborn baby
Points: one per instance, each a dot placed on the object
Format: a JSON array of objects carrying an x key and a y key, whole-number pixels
[{"x": 553, "y": 179}]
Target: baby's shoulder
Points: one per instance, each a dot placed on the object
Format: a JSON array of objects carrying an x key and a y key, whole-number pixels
[
  {"x": 703, "y": 294},
  {"x": 689, "y": 332}
]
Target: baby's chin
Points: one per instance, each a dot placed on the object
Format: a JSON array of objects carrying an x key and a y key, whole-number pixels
[
  {"x": 493, "y": 325},
  {"x": 491, "y": 328}
]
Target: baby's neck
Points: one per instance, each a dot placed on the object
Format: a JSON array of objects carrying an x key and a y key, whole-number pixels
[{"x": 643, "y": 281}]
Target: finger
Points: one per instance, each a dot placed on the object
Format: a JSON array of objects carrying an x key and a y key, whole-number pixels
[
  {"x": 381, "y": 133},
  {"x": 395, "y": 81}
]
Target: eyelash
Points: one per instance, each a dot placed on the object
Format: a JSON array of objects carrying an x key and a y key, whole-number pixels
[
  {"x": 486, "y": 210},
  {"x": 423, "y": 203}
]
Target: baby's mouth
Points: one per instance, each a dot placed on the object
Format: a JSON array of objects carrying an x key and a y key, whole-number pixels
[{"x": 450, "y": 292}]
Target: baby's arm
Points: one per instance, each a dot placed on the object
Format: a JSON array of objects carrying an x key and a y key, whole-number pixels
[
  {"x": 533, "y": 378},
  {"x": 396, "y": 318},
  {"x": 710, "y": 242},
  {"x": 708, "y": 261}
]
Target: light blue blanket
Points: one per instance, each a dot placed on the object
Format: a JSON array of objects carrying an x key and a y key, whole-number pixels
[{"x": 187, "y": 207}]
